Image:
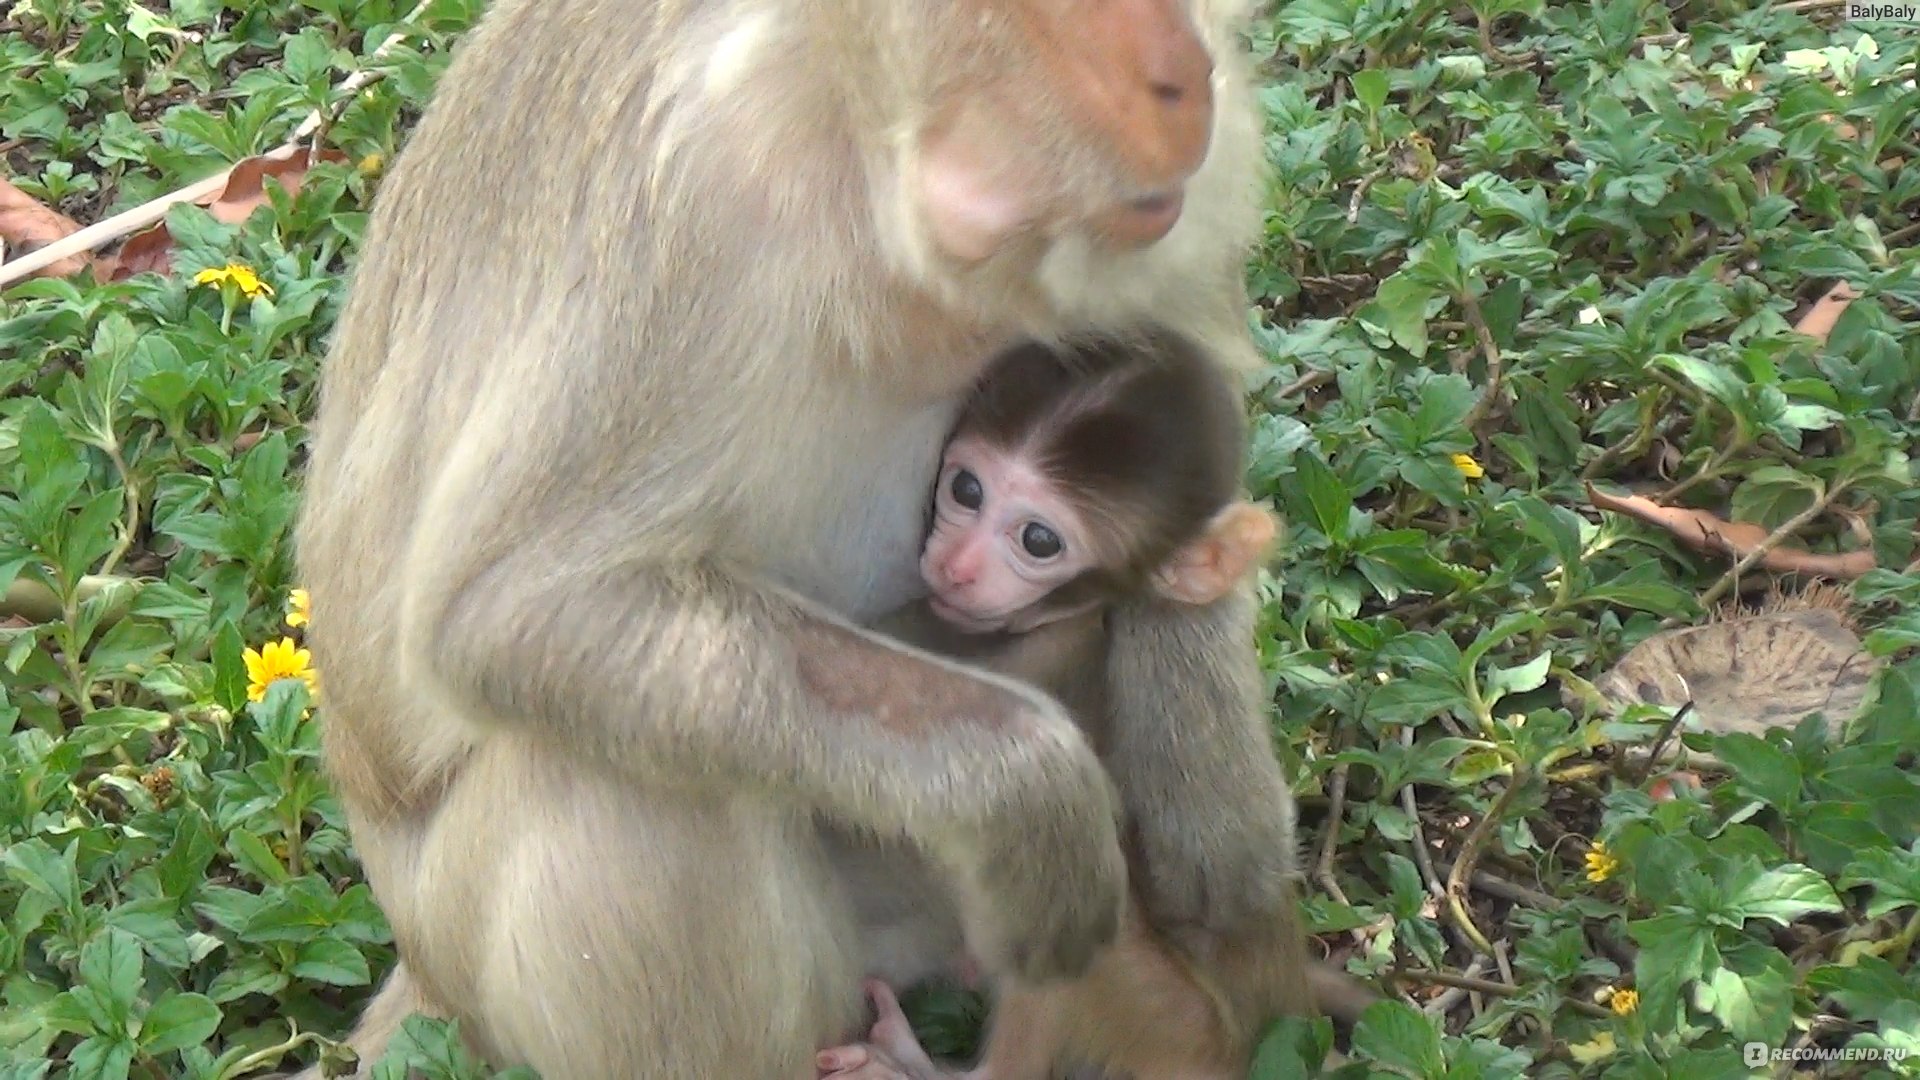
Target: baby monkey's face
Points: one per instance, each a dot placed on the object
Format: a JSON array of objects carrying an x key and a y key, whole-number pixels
[{"x": 1003, "y": 537}]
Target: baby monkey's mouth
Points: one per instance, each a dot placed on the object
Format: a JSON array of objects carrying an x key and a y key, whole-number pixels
[{"x": 965, "y": 620}]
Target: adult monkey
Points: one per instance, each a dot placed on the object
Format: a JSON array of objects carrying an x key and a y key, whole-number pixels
[{"x": 628, "y": 425}]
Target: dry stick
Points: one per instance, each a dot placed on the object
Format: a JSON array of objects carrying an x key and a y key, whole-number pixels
[
  {"x": 1470, "y": 853},
  {"x": 1336, "y": 810},
  {"x": 1421, "y": 855},
  {"x": 1484, "y": 986},
  {"x": 1302, "y": 384},
  {"x": 129, "y": 221},
  {"x": 1471, "y": 305},
  {"x": 1660, "y": 744},
  {"x": 1444, "y": 1003},
  {"x": 1493, "y": 885},
  {"x": 1787, "y": 529},
  {"x": 1360, "y": 193}
]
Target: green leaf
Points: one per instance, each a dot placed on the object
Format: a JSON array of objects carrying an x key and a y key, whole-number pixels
[
  {"x": 1720, "y": 383},
  {"x": 252, "y": 855},
  {"x": 1327, "y": 498},
  {"x": 101, "y": 1059},
  {"x": 1501, "y": 682},
  {"x": 1400, "y": 307},
  {"x": 1761, "y": 768},
  {"x": 332, "y": 961},
  {"x": 51, "y": 873},
  {"x": 1414, "y": 699},
  {"x": 1399, "y": 1038},
  {"x": 229, "y": 668},
  {"x": 1894, "y": 877},
  {"x": 110, "y": 966},
  {"x": 1784, "y": 894},
  {"x": 178, "y": 1021},
  {"x": 1370, "y": 88},
  {"x": 1752, "y": 995}
]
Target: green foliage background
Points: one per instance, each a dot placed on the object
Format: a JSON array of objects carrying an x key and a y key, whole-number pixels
[{"x": 1567, "y": 240}]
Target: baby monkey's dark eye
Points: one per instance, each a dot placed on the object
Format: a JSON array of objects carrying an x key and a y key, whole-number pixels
[
  {"x": 1040, "y": 541},
  {"x": 966, "y": 490}
]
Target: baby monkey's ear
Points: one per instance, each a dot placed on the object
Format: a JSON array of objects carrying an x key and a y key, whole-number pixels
[{"x": 1209, "y": 567}]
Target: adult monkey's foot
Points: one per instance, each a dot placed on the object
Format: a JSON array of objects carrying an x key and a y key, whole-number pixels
[{"x": 891, "y": 1051}]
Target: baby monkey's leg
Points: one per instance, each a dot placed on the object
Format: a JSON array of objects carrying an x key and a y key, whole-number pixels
[
  {"x": 1139, "y": 1010},
  {"x": 891, "y": 1052}
]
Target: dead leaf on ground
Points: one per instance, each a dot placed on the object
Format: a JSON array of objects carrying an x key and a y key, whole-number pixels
[
  {"x": 1752, "y": 671},
  {"x": 1818, "y": 322},
  {"x": 246, "y": 187},
  {"x": 27, "y": 224},
  {"x": 151, "y": 249},
  {"x": 1708, "y": 532}
]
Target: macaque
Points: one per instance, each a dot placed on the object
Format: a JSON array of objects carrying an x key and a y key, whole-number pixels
[
  {"x": 663, "y": 314},
  {"x": 1075, "y": 480}
]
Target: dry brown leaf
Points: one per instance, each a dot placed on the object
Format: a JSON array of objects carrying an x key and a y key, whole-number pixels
[
  {"x": 1818, "y": 322},
  {"x": 1749, "y": 673},
  {"x": 1715, "y": 535},
  {"x": 246, "y": 189},
  {"x": 27, "y": 224},
  {"x": 151, "y": 249}
]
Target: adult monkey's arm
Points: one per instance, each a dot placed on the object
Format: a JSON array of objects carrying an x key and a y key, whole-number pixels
[{"x": 563, "y": 622}]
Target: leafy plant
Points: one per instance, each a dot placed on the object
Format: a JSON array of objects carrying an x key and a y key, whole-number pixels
[{"x": 1511, "y": 249}]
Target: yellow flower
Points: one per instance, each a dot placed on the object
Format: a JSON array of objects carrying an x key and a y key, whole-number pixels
[
  {"x": 297, "y": 608},
  {"x": 1624, "y": 1002},
  {"x": 279, "y": 660},
  {"x": 242, "y": 276},
  {"x": 1601, "y": 864},
  {"x": 1468, "y": 467},
  {"x": 371, "y": 165},
  {"x": 1601, "y": 1048}
]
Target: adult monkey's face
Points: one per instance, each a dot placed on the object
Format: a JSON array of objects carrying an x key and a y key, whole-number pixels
[{"x": 1059, "y": 116}]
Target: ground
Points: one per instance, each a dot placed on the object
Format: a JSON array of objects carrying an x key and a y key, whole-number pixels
[{"x": 1584, "y": 323}]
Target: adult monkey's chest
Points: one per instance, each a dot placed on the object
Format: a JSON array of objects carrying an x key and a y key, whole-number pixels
[{"x": 851, "y": 540}]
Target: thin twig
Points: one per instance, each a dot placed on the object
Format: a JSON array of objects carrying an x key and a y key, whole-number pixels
[
  {"x": 1484, "y": 986},
  {"x": 1489, "y": 349},
  {"x": 1660, "y": 744},
  {"x": 1470, "y": 853},
  {"x": 1421, "y": 856},
  {"x": 1302, "y": 384},
  {"x": 1785, "y": 531},
  {"x": 1360, "y": 193},
  {"x": 1444, "y": 1003}
]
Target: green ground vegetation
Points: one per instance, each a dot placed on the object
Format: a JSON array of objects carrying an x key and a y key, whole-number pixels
[{"x": 1514, "y": 249}]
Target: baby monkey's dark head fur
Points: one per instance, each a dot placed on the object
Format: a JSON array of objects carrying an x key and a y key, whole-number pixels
[{"x": 1140, "y": 432}]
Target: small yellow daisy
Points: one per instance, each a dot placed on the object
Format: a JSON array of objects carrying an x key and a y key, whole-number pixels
[
  {"x": 297, "y": 605},
  {"x": 1468, "y": 467},
  {"x": 1601, "y": 864},
  {"x": 279, "y": 660},
  {"x": 241, "y": 275},
  {"x": 1624, "y": 1002}
]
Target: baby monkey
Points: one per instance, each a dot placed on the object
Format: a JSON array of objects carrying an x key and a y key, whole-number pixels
[{"x": 1076, "y": 479}]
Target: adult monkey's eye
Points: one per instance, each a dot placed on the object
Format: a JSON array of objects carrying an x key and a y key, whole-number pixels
[
  {"x": 966, "y": 490},
  {"x": 1040, "y": 541}
]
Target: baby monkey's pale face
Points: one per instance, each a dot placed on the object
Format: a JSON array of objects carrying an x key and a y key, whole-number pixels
[{"x": 1003, "y": 537}]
